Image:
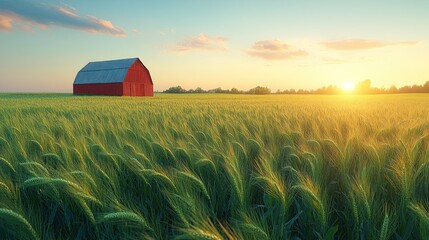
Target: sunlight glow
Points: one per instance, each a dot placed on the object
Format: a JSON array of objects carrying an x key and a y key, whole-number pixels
[{"x": 348, "y": 86}]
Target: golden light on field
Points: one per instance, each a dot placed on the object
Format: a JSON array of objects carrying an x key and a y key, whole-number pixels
[{"x": 348, "y": 86}]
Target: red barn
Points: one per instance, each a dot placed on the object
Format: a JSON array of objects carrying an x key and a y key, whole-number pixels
[{"x": 123, "y": 77}]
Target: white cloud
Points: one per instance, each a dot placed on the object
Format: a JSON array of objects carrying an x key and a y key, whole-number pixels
[
  {"x": 274, "y": 50},
  {"x": 201, "y": 42},
  {"x": 362, "y": 44}
]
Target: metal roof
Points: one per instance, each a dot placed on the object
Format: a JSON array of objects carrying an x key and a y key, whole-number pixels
[{"x": 112, "y": 71}]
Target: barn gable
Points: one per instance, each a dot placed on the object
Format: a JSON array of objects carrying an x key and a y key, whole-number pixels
[
  {"x": 139, "y": 66},
  {"x": 113, "y": 71}
]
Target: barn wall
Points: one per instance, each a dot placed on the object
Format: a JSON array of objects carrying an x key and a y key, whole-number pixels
[
  {"x": 149, "y": 90},
  {"x": 126, "y": 89},
  {"x": 110, "y": 89}
]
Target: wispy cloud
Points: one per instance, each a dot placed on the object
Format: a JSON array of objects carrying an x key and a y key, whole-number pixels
[
  {"x": 43, "y": 15},
  {"x": 335, "y": 61},
  {"x": 167, "y": 32},
  {"x": 274, "y": 50},
  {"x": 200, "y": 42},
  {"x": 362, "y": 44},
  {"x": 5, "y": 23},
  {"x": 68, "y": 10}
]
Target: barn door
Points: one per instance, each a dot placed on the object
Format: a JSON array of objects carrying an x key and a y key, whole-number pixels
[
  {"x": 132, "y": 89},
  {"x": 142, "y": 90},
  {"x": 126, "y": 89}
]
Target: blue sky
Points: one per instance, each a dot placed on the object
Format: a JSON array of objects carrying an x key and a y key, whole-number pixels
[{"x": 194, "y": 43}]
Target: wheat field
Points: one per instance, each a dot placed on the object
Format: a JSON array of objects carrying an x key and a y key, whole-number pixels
[{"x": 214, "y": 166}]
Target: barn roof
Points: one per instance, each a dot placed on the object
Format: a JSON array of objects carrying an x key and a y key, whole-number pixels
[{"x": 112, "y": 71}]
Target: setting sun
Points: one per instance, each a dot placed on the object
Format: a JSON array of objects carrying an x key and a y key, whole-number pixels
[{"x": 348, "y": 86}]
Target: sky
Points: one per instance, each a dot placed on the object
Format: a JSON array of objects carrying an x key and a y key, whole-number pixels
[{"x": 280, "y": 44}]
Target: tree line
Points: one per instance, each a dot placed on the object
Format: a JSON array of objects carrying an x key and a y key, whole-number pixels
[
  {"x": 363, "y": 87},
  {"x": 257, "y": 90}
]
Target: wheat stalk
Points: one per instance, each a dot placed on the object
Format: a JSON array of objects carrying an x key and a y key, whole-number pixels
[{"x": 8, "y": 216}]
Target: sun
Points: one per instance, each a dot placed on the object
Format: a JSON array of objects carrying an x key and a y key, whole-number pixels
[{"x": 348, "y": 86}]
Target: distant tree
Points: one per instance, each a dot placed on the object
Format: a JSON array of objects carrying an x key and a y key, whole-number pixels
[
  {"x": 363, "y": 87},
  {"x": 393, "y": 89},
  {"x": 234, "y": 91},
  {"x": 404, "y": 89},
  {"x": 426, "y": 87},
  {"x": 381, "y": 90},
  {"x": 259, "y": 90},
  {"x": 199, "y": 90},
  {"x": 217, "y": 90},
  {"x": 177, "y": 89},
  {"x": 321, "y": 90}
]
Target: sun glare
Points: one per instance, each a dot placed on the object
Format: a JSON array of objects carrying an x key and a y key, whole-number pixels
[{"x": 348, "y": 86}]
